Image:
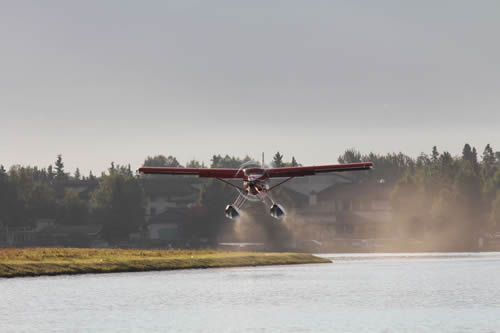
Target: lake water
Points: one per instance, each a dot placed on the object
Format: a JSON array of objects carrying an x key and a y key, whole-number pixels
[{"x": 357, "y": 293}]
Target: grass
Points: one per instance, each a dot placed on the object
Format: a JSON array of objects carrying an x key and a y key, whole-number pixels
[{"x": 56, "y": 261}]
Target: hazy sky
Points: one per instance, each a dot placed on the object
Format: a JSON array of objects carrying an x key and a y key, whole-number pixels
[{"x": 102, "y": 81}]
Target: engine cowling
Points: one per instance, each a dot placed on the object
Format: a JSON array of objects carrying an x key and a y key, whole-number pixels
[
  {"x": 277, "y": 211},
  {"x": 232, "y": 212}
]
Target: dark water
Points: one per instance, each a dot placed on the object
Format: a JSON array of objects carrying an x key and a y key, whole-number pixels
[{"x": 357, "y": 293}]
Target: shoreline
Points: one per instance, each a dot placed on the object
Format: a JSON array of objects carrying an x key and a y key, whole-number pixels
[{"x": 34, "y": 262}]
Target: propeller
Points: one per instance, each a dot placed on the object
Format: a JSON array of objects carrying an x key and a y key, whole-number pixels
[{"x": 248, "y": 165}]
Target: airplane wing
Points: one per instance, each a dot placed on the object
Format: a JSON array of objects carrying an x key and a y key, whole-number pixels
[
  {"x": 312, "y": 170},
  {"x": 200, "y": 172}
]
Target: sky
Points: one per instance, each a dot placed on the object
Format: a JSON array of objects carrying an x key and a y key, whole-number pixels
[{"x": 102, "y": 81}]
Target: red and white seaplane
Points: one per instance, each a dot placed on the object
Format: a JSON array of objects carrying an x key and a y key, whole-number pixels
[{"x": 256, "y": 181}]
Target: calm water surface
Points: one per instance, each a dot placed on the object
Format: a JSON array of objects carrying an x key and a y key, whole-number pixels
[{"x": 357, "y": 293}]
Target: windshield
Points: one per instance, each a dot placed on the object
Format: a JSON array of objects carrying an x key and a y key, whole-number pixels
[{"x": 254, "y": 171}]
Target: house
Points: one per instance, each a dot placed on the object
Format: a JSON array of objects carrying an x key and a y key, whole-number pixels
[
  {"x": 305, "y": 189},
  {"x": 16, "y": 236},
  {"x": 83, "y": 188},
  {"x": 75, "y": 235},
  {"x": 167, "y": 227},
  {"x": 166, "y": 192},
  {"x": 362, "y": 209},
  {"x": 336, "y": 206},
  {"x": 43, "y": 223}
]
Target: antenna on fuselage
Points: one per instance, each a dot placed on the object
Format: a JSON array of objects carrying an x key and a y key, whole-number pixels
[{"x": 262, "y": 160}]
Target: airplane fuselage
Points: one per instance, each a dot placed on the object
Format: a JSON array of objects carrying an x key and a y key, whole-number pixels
[
  {"x": 255, "y": 183},
  {"x": 255, "y": 186}
]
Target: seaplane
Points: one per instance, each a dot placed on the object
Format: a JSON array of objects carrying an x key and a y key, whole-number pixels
[{"x": 256, "y": 184}]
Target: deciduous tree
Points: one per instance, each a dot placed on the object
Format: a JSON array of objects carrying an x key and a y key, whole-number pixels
[
  {"x": 73, "y": 210},
  {"x": 350, "y": 156},
  {"x": 162, "y": 161},
  {"x": 195, "y": 164},
  {"x": 228, "y": 161},
  {"x": 118, "y": 203}
]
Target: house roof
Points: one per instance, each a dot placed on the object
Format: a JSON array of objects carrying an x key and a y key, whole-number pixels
[
  {"x": 82, "y": 187},
  {"x": 360, "y": 190},
  {"x": 173, "y": 215},
  {"x": 170, "y": 186},
  {"x": 316, "y": 184}
]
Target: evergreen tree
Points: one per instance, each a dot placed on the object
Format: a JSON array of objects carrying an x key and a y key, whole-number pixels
[
  {"x": 495, "y": 214},
  {"x": 470, "y": 154},
  {"x": 492, "y": 185},
  {"x": 4, "y": 196},
  {"x": 488, "y": 165},
  {"x": 488, "y": 155},
  {"x": 468, "y": 186},
  {"x": 60, "y": 175},
  {"x": 124, "y": 170},
  {"x": 446, "y": 169},
  {"x": 457, "y": 209},
  {"x": 77, "y": 174},
  {"x": 467, "y": 153},
  {"x": 278, "y": 160},
  {"x": 475, "y": 163},
  {"x": 50, "y": 172},
  {"x": 408, "y": 202},
  {"x": 435, "y": 155},
  {"x": 294, "y": 162},
  {"x": 3, "y": 173}
]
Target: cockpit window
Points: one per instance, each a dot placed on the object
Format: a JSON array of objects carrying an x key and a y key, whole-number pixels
[{"x": 255, "y": 171}]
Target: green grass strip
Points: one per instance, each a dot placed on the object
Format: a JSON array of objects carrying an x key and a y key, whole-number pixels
[{"x": 56, "y": 261}]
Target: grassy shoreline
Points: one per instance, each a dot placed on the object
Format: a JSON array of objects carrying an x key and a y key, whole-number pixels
[{"x": 58, "y": 261}]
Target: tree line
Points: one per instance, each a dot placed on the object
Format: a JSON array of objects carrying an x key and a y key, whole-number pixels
[
  {"x": 437, "y": 189},
  {"x": 115, "y": 199},
  {"x": 440, "y": 192}
]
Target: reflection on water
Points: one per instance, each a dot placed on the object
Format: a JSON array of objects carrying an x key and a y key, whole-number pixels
[{"x": 357, "y": 293}]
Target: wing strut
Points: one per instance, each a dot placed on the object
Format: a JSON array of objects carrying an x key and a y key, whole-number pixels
[
  {"x": 229, "y": 183},
  {"x": 289, "y": 178}
]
